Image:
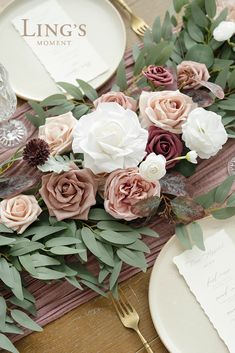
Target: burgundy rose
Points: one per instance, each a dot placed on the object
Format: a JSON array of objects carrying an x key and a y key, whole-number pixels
[
  {"x": 165, "y": 143},
  {"x": 160, "y": 76}
]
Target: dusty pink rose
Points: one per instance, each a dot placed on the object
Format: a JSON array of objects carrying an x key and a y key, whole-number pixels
[
  {"x": 165, "y": 143},
  {"x": 124, "y": 189},
  {"x": 117, "y": 97},
  {"x": 70, "y": 194},
  {"x": 166, "y": 109},
  {"x": 190, "y": 74},
  {"x": 222, "y": 4},
  {"x": 160, "y": 76},
  {"x": 58, "y": 133},
  {"x": 19, "y": 212}
]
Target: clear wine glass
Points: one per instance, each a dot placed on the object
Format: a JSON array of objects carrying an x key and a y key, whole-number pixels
[{"x": 12, "y": 131}]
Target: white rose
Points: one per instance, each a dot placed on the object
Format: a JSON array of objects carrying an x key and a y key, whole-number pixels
[
  {"x": 153, "y": 168},
  {"x": 204, "y": 133},
  {"x": 110, "y": 138},
  {"x": 224, "y": 31}
]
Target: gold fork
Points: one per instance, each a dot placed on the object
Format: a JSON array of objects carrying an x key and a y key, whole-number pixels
[
  {"x": 129, "y": 317},
  {"x": 138, "y": 25}
]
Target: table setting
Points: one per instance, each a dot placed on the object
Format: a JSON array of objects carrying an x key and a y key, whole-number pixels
[{"x": 117, "y": 203}]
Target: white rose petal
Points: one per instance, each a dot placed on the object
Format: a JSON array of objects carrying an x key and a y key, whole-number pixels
[
  {"x": 204, "y": 133},
  {"x": 153, "y": 168},
  {"x": 224, "y": 31},
  {"x": 192, "y": 157},
  {"x": 110, "y": 138}
]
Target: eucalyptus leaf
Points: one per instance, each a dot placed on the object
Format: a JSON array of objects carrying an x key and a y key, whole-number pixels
[
  {"x": 88, "y": 90},
  {"x": 58, "y": 241},
  {"x": 80, "y": 110},
  {"x": 210, "y": 8},
  {"x": 121, "y": 76},
  {"x": 24, "y": 304},
  {"x": 113, "y": 225},
  {"x": 196, "y": 233},
  {"x": 17, "y": 289},
  {"x": 201, "y": 53},
  {"x": 27, "y": 262},
  {"x": 60, "y": 109},
  {"x": 6, "y": 344},
  {"x": 45, "y": 273},
  {"x": 118, "y": 238},
  {"x": 65, "y": 250},
  {"x": 6, "y": 241},
  {"x": 223, "y": 189},
  {"x": 94, "y": 288},
  {"x": 183, "y": 236},
  {"x": 148, "y": 231},
  {"x": 132, "y": 258},
  {"x": 99, "y": 214},
  {"x": 40, "y": 260},
  {"x": 71, "y": 89},
  {"x": 6, "y": 273},
  {"x": 3, "y": 313},
  {"x": 115, "y": 274},
  {"x": 24, "y": 320},
  {"x": 74, "y": 282},
  {"x": 32, "y": 246},
  {"x": 55, "y": 99},
  {"x": 224, "y": 213}
]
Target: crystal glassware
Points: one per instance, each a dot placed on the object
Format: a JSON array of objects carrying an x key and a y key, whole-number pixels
[{"x": 12, "y": 131}]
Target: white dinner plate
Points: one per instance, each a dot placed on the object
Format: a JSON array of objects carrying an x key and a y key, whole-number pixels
[
  {"x": 178, "y": 318},
  {"x": 28, "y": 77}
]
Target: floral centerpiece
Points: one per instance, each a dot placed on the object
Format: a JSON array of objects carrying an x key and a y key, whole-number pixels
[{"x": 103, "y": 168}]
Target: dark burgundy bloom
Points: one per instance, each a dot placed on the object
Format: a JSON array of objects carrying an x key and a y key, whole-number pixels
[
  {"x": 36, "y": 152},
  {"x": 160, "y": 76},
  {"x": 165, "y": 143}
]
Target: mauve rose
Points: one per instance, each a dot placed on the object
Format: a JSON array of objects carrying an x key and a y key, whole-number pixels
[
  {"x": 70, "y": 194},
  {"x": 160, "y": 76},
  {"x": 124, "y": 189},
  {"x": 190, "y": 73},
  {"x": 19, "y": 212},
  {"x": 117, "y": 97},
  {"x": 165, "y": 143}
]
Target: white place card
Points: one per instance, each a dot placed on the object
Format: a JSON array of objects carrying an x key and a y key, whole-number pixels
[
  {"x": 60, "y": 44},
  {"x": 210, "y": 276}
]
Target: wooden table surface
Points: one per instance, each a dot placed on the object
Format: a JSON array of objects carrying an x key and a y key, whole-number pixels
[{"x": 94, "y": 327}]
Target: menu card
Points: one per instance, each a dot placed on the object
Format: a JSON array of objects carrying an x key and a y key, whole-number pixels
[
  {"x": 60, "y": 44},
  {"x": 210, "y": 276}
]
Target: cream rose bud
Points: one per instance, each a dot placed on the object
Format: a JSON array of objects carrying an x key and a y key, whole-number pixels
[
  {"x": 58, "y": 133},
  {"x": 204, "y": 133},
  {"x": 224, "y": 31},
  {"x": 19, "y": 212},
  {"x": 167, "y": 110},
  {"x": 110, "y": 138},
  {"x": 153, "y": 168},
  {"x": 191, "y": 156}
]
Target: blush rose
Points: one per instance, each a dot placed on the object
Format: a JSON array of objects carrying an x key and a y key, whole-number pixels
[
  {"x": 19, "y": 212},
  {"x": 58, "y": 133},
  {"x": 166, "y": 109}
]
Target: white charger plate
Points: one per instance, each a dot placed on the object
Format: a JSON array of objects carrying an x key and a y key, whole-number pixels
[
  {"x": 178, "y": 318},
  {"x": 28, "y": 77}
]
